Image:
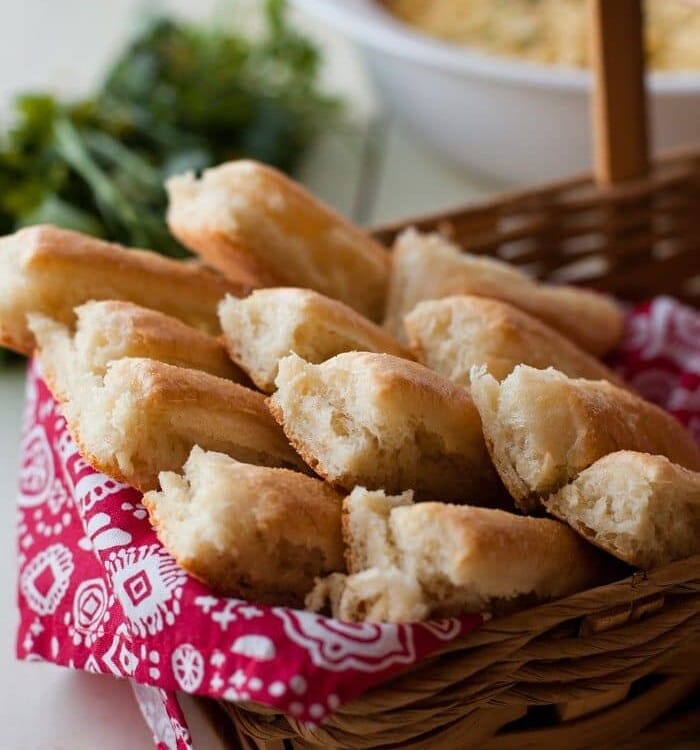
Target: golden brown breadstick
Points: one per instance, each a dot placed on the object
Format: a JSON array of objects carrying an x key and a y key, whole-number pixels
[
  {"x": 543, "y": 428},
  {"x": 384, "y": 422},
  {"x": 50, "y": 271},
  {"x": 248, "y": 531},
  {"x": 110, "y": 330},
  {"x": 269, "y": 324},
  {"x": 453, "y": 334},
  {"x": 640, "y": 508},
  {"x": 427, "y": 266},
  {"x": 246, "y": 218},
  {"x": 439, "y": 560},
  {"x": 143, "y": 416}
]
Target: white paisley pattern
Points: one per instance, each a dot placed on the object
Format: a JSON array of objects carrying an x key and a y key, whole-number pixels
[
  {"x": 445, "y": 630},
  {"x": 339, "y": 646},
  {"x": 37, "y": 473},
  {"x": 119, "y": 657},
  {"x": 258, "y": 647},
  {"x": 188, "y": 667},
  {"x": 165, "y": 728},
  {"x": 45, "y": 579},
  {"x": 148, "y": 584},
  {"x": 94, "y": 488},
  {"x": 91, "y": 603},
  {"x": 104, "y": 534},
  {"x": 669, "y": 330}
]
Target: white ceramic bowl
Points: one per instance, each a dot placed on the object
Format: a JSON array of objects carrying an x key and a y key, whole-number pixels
[{"x": 513, "y": 120}]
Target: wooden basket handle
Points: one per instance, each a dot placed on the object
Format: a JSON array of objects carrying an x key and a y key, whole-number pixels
[{"x": 620, "y": 131}]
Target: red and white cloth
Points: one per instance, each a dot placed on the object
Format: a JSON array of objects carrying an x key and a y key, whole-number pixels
[{"x": 98, "y": 592}]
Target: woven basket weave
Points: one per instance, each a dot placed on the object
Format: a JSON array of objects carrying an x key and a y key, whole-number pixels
[
  {"x": 592, "y": 670},
  {"x": 634, "y": 239},
  {"x": 613, "y": 667}
]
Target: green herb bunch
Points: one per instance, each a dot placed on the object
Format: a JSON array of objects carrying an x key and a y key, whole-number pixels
[{"x": 179, "y": 97}]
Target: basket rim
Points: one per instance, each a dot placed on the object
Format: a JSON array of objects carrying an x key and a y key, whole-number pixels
[
  {"x": 668, "y": 158},
  {"x": 516, "y": 631},
  {"x": 639, "y": 585}
]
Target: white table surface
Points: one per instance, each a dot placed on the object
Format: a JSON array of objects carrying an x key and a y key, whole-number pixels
[{"x": 65, "y": 44}]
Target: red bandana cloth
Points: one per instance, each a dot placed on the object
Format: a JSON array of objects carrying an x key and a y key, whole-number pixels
[{"x": 98, "y": 592}]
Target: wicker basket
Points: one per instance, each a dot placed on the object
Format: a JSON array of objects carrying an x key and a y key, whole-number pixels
[{"x": 616, "y": 666}]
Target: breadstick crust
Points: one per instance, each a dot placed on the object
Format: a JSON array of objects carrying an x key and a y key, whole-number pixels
[
  {"x": 177, "y": 408},
  {"x": 642, "y": 509},
  {"x": 110, "y": 330},
  {"x": 50, "y": 271},
  {"x": 258, "y": 533},
  {"x": 383, "y": 422},
  {"x": 261, "y": 329},
  {"x": 251, "y": 222},
  {"x": 453, "y": 334},
  {"x": 142, "y": 416},
  {"x": 501, "y": 555},
  {"x": 427, "y": 266},
  {"x": 542, "y": 428},
  {"x": 409, "y": 562}
]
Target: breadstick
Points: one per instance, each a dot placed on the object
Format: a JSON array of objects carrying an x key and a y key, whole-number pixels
[
  {"x": 143, "y": 416},
  {"x": 266, "y": 326},
  {"x": 50, "y": 271},
  {"x": 640, "y": 508},
  {"x": 384, "y": 422},
  {"x": 439, "y": 560},
  {"x": 250, "y": 220},
  {"x": 110, "y": 330},
  {"x": 543, "y": 428},
  {"x": 248, "y": 531},
  {"x": 427, "y": 266},
  {"x": 453, "y": 334}
]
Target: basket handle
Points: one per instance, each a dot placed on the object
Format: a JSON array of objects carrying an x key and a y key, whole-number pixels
[{"x": 620, "y": 130}]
